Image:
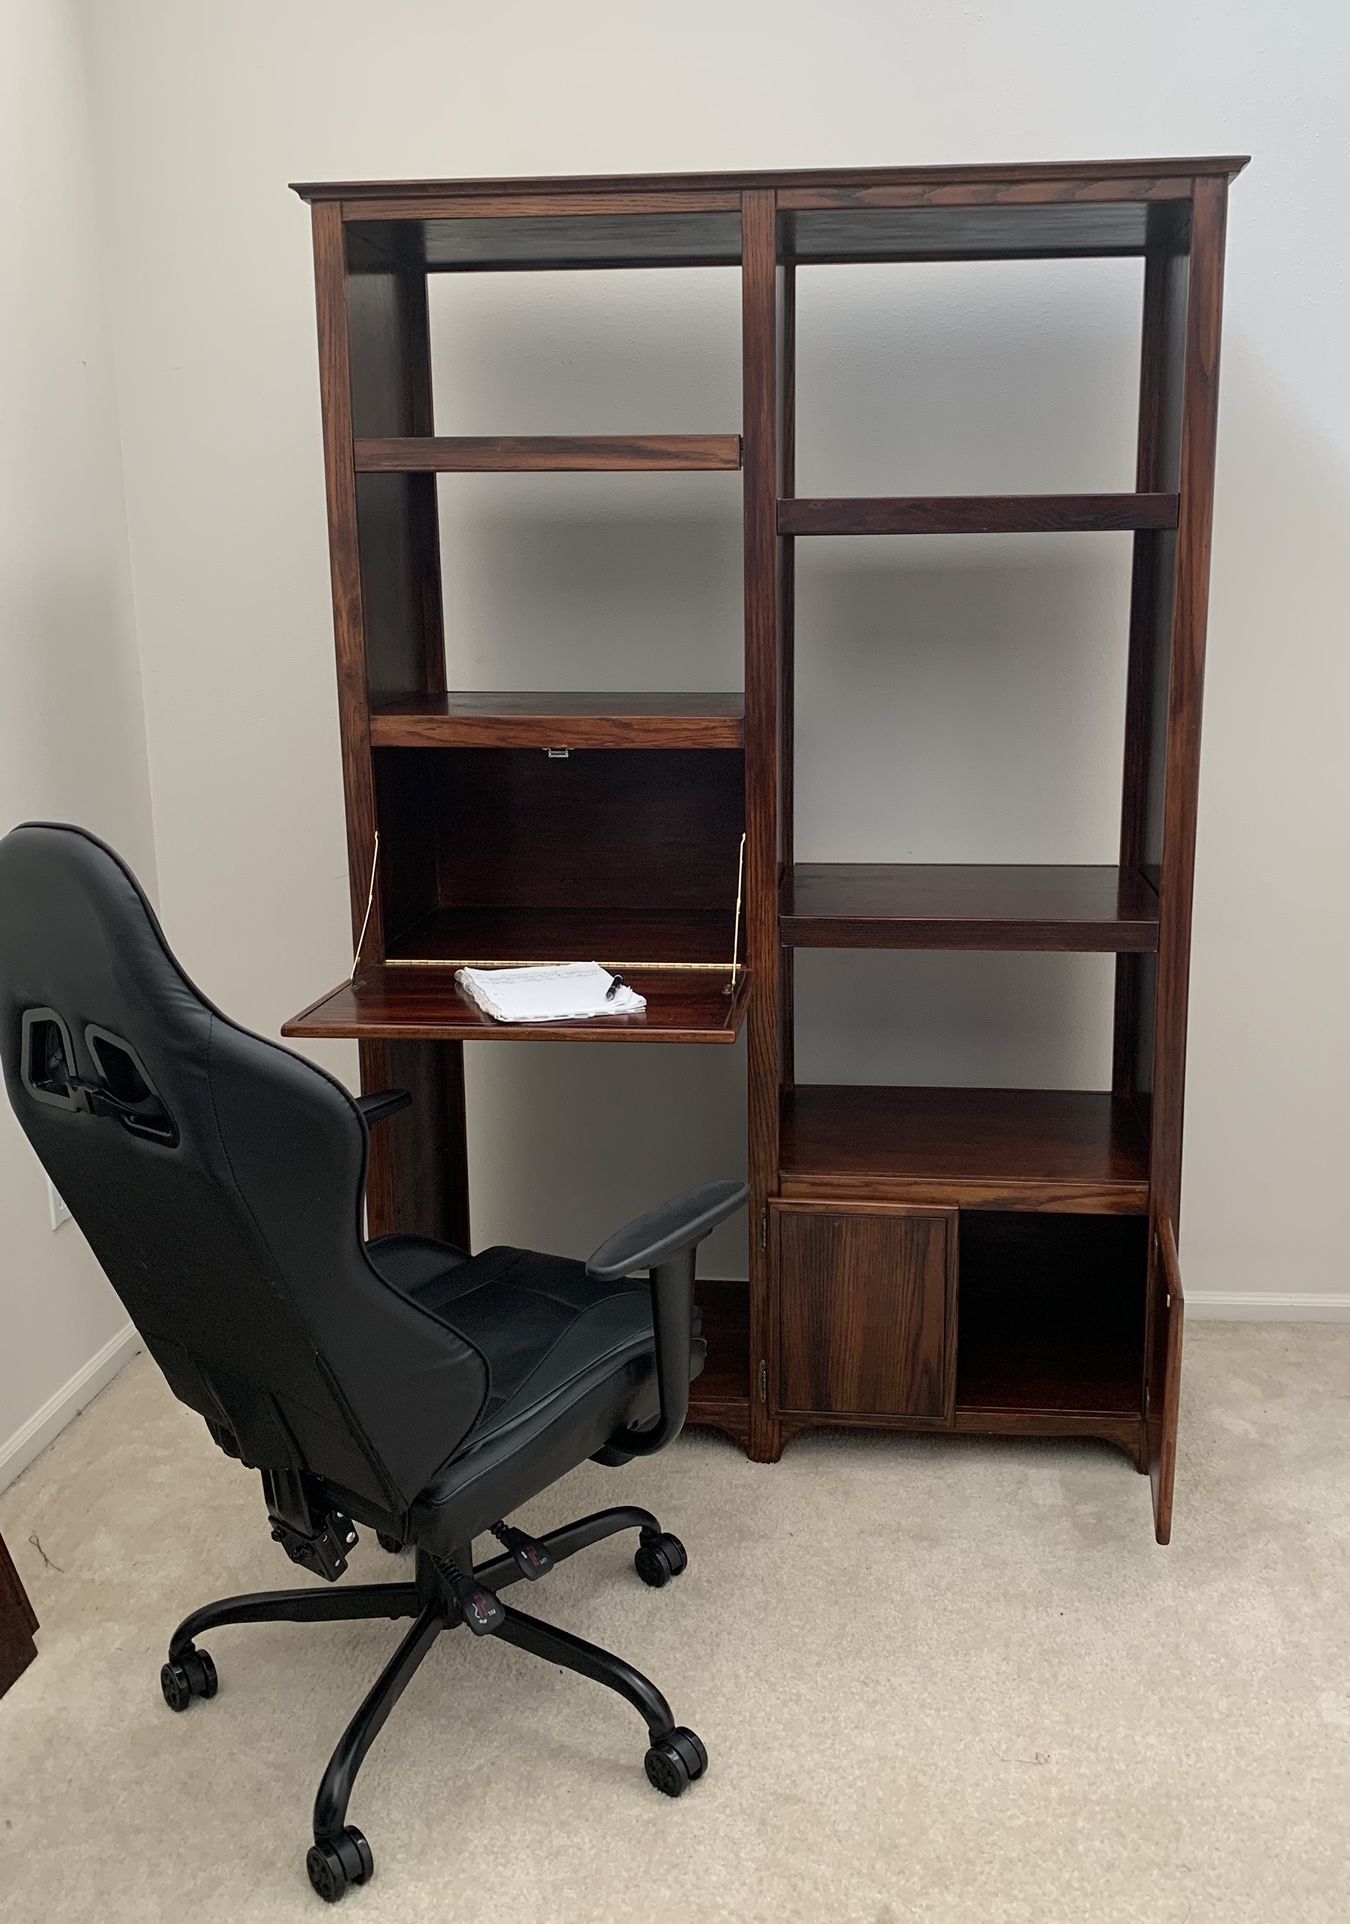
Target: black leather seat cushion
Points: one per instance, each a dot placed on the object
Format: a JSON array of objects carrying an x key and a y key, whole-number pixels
[
  {"x": 566, "y": 1355},
  {"x": 538, "y": 1321}
]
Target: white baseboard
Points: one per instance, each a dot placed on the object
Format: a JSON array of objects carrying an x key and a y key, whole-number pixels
[
  {"x": 1267, "y": 1306},
  {"x": 32, "y": 1437},
  {"x": 1203, "y": 1305}
]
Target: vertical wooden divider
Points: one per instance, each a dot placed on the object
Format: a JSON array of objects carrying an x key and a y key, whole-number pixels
[
  {"x": 1199, "y": 424},
  {"x": 1190, "y": 608},
  {"x": 375, "y": 361},
  {"x": 344, "y": 554},
  {"x": 787, "y": 600},
  {"x": 760, "y": 408}
]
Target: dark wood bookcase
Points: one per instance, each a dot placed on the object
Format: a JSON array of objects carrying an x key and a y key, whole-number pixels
[{"x": 1001, "y": 1261}]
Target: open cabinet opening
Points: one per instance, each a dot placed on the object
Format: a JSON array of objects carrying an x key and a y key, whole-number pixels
[{"x": 1051, "y": 1313}]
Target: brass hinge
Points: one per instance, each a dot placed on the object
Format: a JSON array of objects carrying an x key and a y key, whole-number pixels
[
  {"x": 763, "y": 1380},
  {"x": 764, "y": 1227}
]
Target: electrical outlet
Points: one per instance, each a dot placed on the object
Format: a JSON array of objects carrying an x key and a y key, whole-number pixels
[{"x": 60, "y": 1214}]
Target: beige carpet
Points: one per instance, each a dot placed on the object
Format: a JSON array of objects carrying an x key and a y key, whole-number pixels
[{"x": 938, "y": 1680}]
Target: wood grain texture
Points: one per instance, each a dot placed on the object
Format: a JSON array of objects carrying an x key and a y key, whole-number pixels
[
  {"x": 513, "y": 719},
  {"x": 975, "y": 514},
  {"x": 552, "y": 204},
  {"x": 901, "y": 905},
  {"x": 18, "y": 1621},
  {"x": 865, "y": 1310},
  {"x": 1082, "y": 188},
  {"x": 787, "y": 648},
  {"x": 1164, "y": 1375},
  {"x": 954, "y": 177},
  {"x": 335, "y": 391},
  {"x": 1125, "y": 1432},
  {"x": 1199, "y": 424},
  {"x": 762, "y": 398},
  {"x": 1055, "y": 1150},
  {"x": 1153, "y": 575},
  {"x": 1133, "y": 984},
  {"x": 417, "y": 1181},
  {"x": 547, "y": 453},
  {"x": 421, "y": 1005},
  {"x": 1097, "y": 1426}
]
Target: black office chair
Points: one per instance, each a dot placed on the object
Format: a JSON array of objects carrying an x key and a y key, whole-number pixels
[{"x": 402, "y": 1383}]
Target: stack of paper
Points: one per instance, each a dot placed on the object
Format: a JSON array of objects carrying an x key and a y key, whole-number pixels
[{"x": 565, "y": 992}]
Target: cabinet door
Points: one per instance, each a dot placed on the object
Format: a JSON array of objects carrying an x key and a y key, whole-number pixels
[
  {"x": 17, "y": 1623},
  {"x": 866, "y": 1297},
  {"x": 1166, "y": 1318}
]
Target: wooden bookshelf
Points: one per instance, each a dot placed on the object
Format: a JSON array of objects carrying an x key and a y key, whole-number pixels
[{"x": 983, "y": 1260}]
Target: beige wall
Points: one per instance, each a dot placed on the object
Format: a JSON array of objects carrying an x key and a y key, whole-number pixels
[
  {"x": 72, "y": 736},
  {"x": 961, "y": 700}
]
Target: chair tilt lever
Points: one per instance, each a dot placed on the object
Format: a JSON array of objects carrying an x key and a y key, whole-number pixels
[
  {"x": 474, "y": 1603},
  {"x": 532, "y": 1558}
]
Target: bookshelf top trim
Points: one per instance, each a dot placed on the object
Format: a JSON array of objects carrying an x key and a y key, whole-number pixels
[
  {"x": 1049, "y": 172},
  {"x": 1043, "y": 210}
]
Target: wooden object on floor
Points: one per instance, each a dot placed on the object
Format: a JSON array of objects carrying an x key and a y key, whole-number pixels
[
  {"x": 983, "y": 1260},
  {"x": 18, "y": 1622}
]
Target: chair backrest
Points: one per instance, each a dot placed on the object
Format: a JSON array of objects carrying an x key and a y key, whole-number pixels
[{"x": 219, "y": 1180}]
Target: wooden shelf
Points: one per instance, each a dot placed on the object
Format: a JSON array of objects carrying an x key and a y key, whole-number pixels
[
  {"x": 546, "y": 453},
  {"x": 514, "y": 720},
  {"x": 388, "y": 1004},
  {"x": 902, "y": 905},
  {"x": 975, "y": 513},
  {"x": 1036, "y": 1149}
]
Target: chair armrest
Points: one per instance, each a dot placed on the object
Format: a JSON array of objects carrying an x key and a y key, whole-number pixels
[
  {"x": 665, "y": 1241},
  {"x": 681, "y": 1223},
  {"x": 386, "y": 1102}
]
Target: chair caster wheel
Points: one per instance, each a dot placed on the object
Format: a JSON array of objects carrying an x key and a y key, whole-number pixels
[
  {"x": 386, "y": 1542},
  {"x": 675, "y": 1761},
  {"x": 334, "y": 1863},
  {"x": 191, "y": 1675},
  {"x": 658, "y": 1559}
]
